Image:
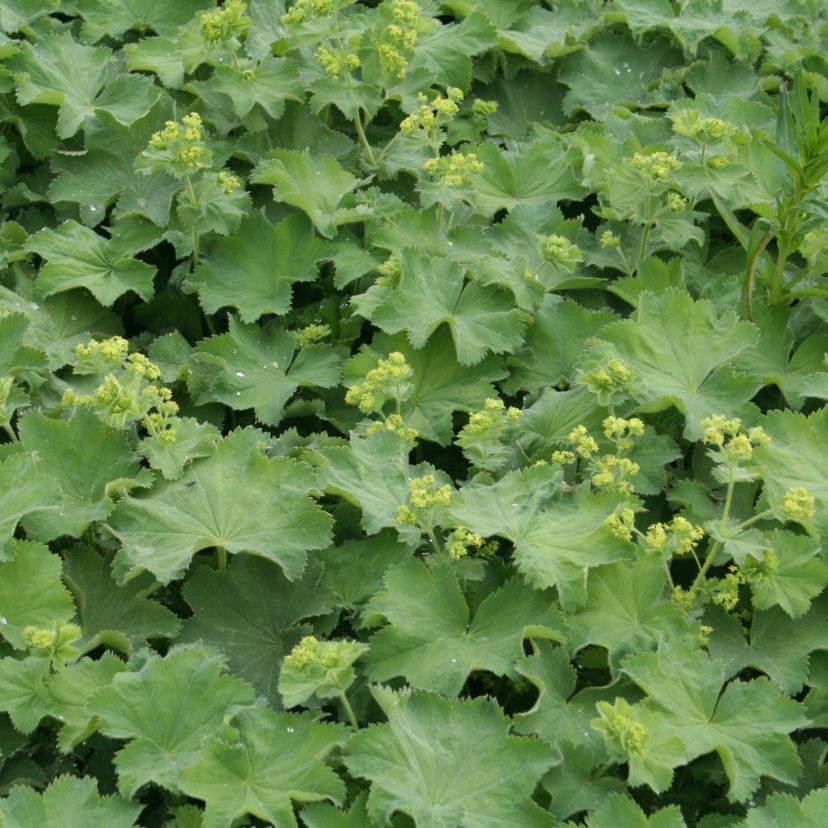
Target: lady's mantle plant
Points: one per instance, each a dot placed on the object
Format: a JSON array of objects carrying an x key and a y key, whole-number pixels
[{"x": 413, "y": 413}]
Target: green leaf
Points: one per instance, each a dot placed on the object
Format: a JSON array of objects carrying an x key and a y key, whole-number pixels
[
  {"x": 619, "y": 810},
  {"x": 441, "y": 385},
  {"x": 212, "y": 208},
  {"x": 354, "y": 570},
  {"x": 556, "y": 537},
  {"x": 784, "y": 809},
  {"x": 324, "y": 670},
  {"x": 509, "y": 179},
  {"x": 775, "y": 362},
  {"x": 554, "y": 345},
  {"x": 314, "y": 184},
  {"x": 116, "y": 17},
  {"x": 372, "y": 473},
  {"x": 70, "y": 689},
  {"x": 558, "y": 716},
  {"x": 614, "y": 71},
  {"x": 446, "y": 52},
  {"x": 61, "y": 322},
  {"x": 23, "y": 693},
  {"x": 277, "y": 757},
  {"x": 86, "y": 458},
  {"x": 68, "y": 800},
  {"x": 797, "y": 455},
  {"x": 31, "y": 592},
  {"x": 268, "y": 83},
  {"x": 121, "y": 617},
  {"x": 577, "y": 785},
  {"x": 432, "y": 292},
  {"x": 24, "y": 490},
  {"x": 431, "y": 638},
  {"x": 259, "y": 368},
  {"x": 252, "y": 614},
  {"x": 103, "y": 174},
  {"x": 747, "y": 723},
  {"x": 797, "y": 576},
  {"x": 211, "y": 506},
  {"x": 254, "y": 269},
  {"x": 681, "y": 352},
  {"x": 326, "y": 816},
  {"x": 457, "y": 784},
  {"x": 777, "y": 645},
  {"x": 627, "y": 611},
  {"x": 192, "y": 440},
  {"x": 79, "y": 79},
  {"x": 166, "y": 710},
  {"x": 78, "y": 257}
]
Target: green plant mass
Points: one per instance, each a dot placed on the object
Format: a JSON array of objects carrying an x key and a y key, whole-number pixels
[{"x": 413, "y": 413}]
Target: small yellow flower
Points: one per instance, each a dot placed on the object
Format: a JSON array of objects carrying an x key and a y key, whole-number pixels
[{"x": 798, "y": 504}]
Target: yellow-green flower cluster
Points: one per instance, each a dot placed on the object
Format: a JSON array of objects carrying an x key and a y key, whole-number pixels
[
  {"x": 731, "y": 444},
  {"x": 395, "y": 424},
  {"x": 311, "y": 334},
  {"x": 676, "y": 202},
  {"x": 565, "y": 458},
  {"x": 460, "y": 542},
  {"x": 678, "y": 537},
  {"x": 390, "y": 271},
  {"x": 482, "y": 111},
  {"x": 757, "y": 570},
  {"x": 494, "y": 417},
  {"x": 620, "y": 726},
  {"x": 704, "y": 635},
  {"x": 425, "y": 494},
  {"x": 614, "y": 472},
  {"x": 453, "y": 170},
  {"x": 621, "y": 523},
  {"x": 303, "y": 10},
  {"x": 228, "y": 182},
  {"x": 798, "y": 504},
  {"x": 389, "y": 380},
  {"x": 726, "y": 591},
  {"x": 310, "y": 650},
  {"x": 613, "y": 379},
  {"x": 54, "y": 644},
  {"x": 623, "y": 432},
  {"x": 584, "y": 444},
  {"x": 399, "y": 38},
  {"x": 181, "y": 146},
  {"x": 433, "y": 114},
  {"x": 128, "y": 392},
  {"x": 691, "y": 124},
  {"x": 609, "y": 239},
  {"x": 225, "y": 22},
  {"x": 560, "y": 251},
  {"x": 656, "y": 165},
  {"x": 335, "y": 62}
]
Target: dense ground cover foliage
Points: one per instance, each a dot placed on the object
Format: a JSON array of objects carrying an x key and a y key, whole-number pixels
[{"x": 413, "y": 413}]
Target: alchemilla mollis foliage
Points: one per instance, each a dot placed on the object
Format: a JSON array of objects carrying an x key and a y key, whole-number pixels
[{"x": 413, "y": 413}]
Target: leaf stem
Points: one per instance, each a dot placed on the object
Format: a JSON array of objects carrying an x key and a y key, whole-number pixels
[
  {"x": 349, "y": 711},
  {"x": 221, "y": 558},
  {"x": 642, "y": 251}
]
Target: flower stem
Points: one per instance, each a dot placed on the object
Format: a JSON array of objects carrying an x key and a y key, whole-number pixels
[
  {"x": 364, "y": 140},
  {"x": 716, "y": 546}
]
